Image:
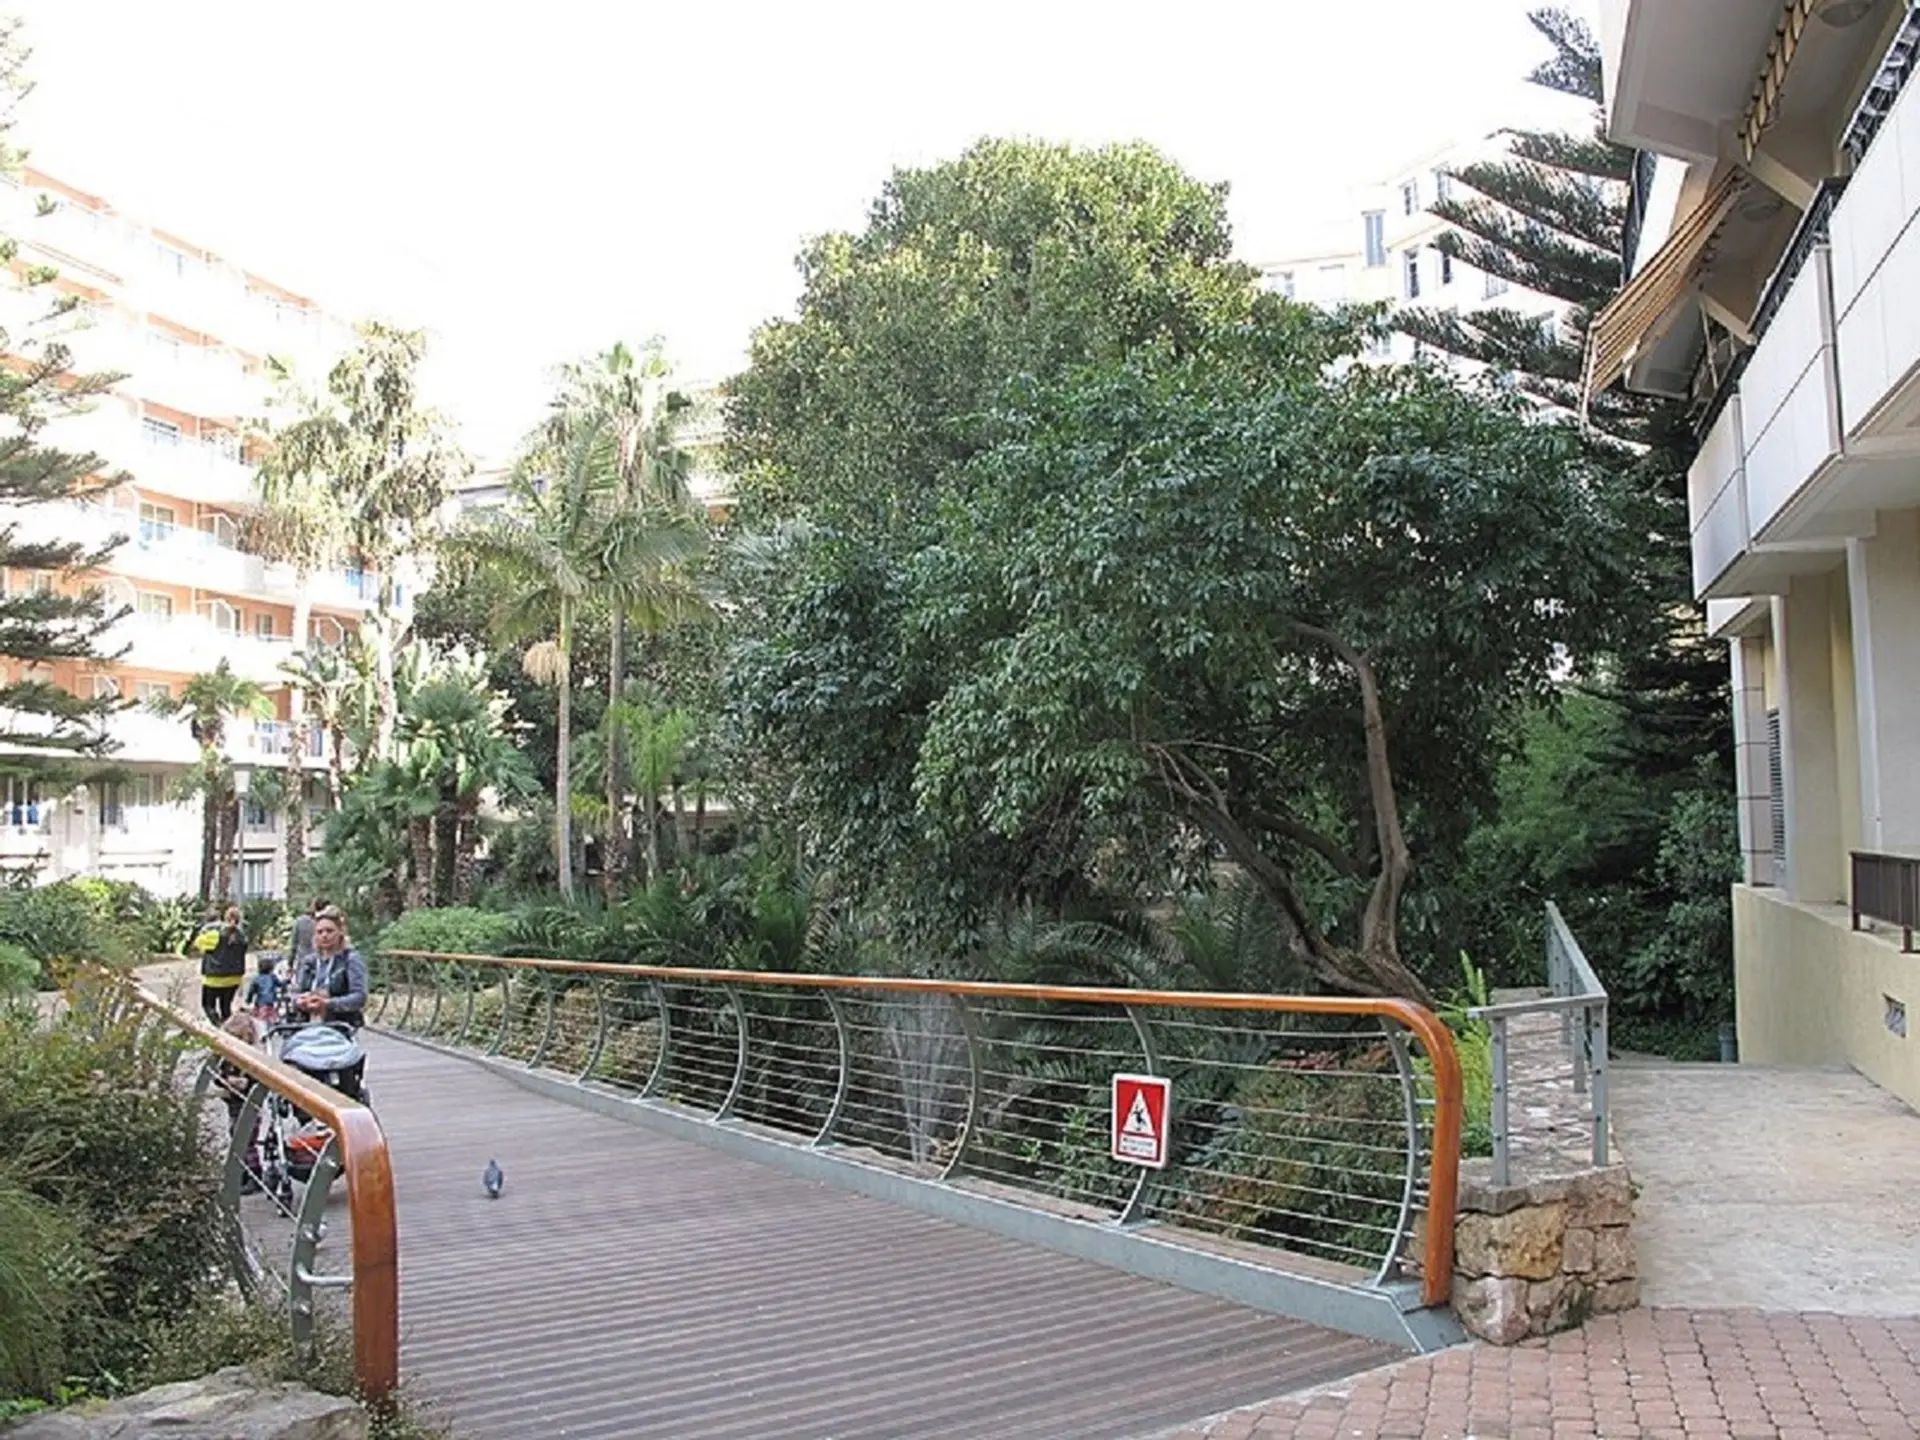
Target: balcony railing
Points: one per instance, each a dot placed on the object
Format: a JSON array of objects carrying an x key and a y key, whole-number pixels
[{"x": 1887, "y": 888}]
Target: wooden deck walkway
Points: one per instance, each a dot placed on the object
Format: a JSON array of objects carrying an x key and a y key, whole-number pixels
[{"x": 630, "y": 1284}]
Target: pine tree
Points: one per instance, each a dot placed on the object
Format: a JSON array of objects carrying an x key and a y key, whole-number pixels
[
  {"x": 45, "y": 732},
  {"x": 1550, "y": 215}
]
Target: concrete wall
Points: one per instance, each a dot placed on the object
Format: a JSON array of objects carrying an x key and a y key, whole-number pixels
[{"x": 1812, "y": 991}]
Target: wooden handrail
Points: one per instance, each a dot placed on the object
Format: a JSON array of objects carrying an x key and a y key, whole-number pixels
[
  {"x": 1434, "y": 1037},
  {"x": 368, "y": 1167}
]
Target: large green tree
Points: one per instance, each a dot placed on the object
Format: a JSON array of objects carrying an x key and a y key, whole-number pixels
[
  {"x": 366, "y": 449},
  {"x": 1244, "y": 596},
  {"x": 46, "y": 732},
  {"x": 1017, "y": 258}
]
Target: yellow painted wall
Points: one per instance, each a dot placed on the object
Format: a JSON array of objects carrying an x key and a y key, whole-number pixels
[{"x": 1811, "y": 991}]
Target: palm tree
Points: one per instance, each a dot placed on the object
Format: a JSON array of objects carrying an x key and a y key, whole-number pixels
[
  {"x": 546, "y": 549},
  {"x": 452, "y": 737},
  {"x": 389, "y": 462},
  {"x": 321, "y": 677},
  {"x": 653, "y": 530},
  {"x": 208, "y": 701}
]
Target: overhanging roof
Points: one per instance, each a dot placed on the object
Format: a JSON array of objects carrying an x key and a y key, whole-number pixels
[{"x": 1646, "y": 303}]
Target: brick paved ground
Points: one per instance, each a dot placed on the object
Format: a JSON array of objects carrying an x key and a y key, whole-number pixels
[{"x": 1649, "y": 1374}]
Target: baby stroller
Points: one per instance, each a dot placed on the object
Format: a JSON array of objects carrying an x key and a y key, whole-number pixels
[{"x": 292, "y": 1140}]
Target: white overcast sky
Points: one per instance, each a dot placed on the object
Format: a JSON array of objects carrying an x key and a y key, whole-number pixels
[{"x": 533, "y": 181}]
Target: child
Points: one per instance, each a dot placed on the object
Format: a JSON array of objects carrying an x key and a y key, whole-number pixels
[
  {"x": 234, "y": 1084},
  {"x": 263, "y": 990}
]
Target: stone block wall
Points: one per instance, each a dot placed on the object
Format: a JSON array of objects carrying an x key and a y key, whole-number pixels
[{"x": 1533, "y": 1258}]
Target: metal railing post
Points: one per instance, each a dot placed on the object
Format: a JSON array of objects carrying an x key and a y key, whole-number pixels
[
  {"x": 1502, "y": 1164},
  {"x": 969, "y": 1027},
  {"x": 844, "y": 1079},
  {"x": 1410, "y": 1090},
  {"x": 1137, "y": 1201},
  {"x": 740, "y": 1054},
  {"x": 1582, "y": 1050},
  {"x": 599, "y": 1029},
  {"x": 548, "y": 985},
  {"x": 660, "y": 1056},
  {"x": 1600, "y": 1085}
]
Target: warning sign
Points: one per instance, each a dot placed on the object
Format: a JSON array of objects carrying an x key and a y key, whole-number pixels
[{"x": 1141, "y": 1107}]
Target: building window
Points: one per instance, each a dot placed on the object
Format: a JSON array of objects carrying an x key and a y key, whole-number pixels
[
  {"x": 147, "y": 691},
  {"x": 1442, "y": 186},
  {"x": 1492, "y": 285},
  {"x": 263, "y": 624},
  {"x": 1283, "y": 283},
  {"x": 1376, "y": 227},
  {"x": 1410, "y": 267},
  {"x": 40, "y": 582},
  {"x": 159, "y": 432},
  {"x": 1410, "y": 198},
  {"x": 225, "y": 533},
  {"x": 113, "y": 807},
  {"x": 152, "y": 605},
  {"x": 24, "y": 809},
  {"x": 169, "y": 260},
  {"x": 1446, "y": 268},
  {"x": 256, "y": 879},
  {"x": 156, "y": 521},
  {"x": 259, "y": 817},
  {"x": 105, "y": 687},
  {"x": 222, "y": 616}
]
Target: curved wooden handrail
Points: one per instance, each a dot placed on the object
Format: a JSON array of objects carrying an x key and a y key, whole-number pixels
[
  {"x": 1428, "y": 1028},
  {"x": 368, "y": 1167}
]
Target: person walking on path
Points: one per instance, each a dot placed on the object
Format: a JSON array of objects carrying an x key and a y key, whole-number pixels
[
  {"x": 222, "y": 949},
  {"x": 303, "y": 931}
]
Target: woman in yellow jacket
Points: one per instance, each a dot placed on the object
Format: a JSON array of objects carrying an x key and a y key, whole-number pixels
[{"x": 222, "y": 950}]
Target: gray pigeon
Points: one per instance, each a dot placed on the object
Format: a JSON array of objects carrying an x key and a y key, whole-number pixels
[{"x": 491, "y": 1179}]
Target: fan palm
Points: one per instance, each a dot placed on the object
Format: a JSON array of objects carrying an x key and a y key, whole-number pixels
[{"x": 208, "y": 702}]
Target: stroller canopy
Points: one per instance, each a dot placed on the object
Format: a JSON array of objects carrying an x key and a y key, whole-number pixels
[{"x": 319, "y": 1048}]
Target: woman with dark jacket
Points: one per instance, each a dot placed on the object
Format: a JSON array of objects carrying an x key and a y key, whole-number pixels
[{"x": 223, "y": 964}]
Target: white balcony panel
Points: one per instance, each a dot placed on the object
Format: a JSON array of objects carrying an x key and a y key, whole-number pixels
[
  {"x": 1718, "y": 462},
  {"x": 188, "y": 644},
  {"x": 1879, "y": 339},
  {"x": 1720, "y": 539},
  {"x": 1789, "y": 406},
  {"x": 1800, "y": 333}
]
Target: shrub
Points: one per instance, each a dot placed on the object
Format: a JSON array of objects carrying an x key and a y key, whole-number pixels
[
  {"x": 165, "y": 925},
  {"x": 455, "y": 929},
  {"x": 63, "y": 922},
  {"x": 40, "y": 1277},
  {"x": 268, "y": 923},
  {"x": 19, "y": 971},
  {"x": 126, "y": 1165}
]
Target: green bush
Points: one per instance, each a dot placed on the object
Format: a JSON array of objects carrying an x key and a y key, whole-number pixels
[
  {"x": 455, "y": 930},
  {"x": 19, "y": 970},
  {"x": 165, "y": 925},
  {"x": 67, "y": 921},
  {"x": 40, "y": 1279},
  {"x": 124, "y": 1162}
]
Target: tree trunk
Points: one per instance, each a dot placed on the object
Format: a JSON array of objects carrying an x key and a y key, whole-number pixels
[
  {"x": 385, "y": 704},
  {"x": 444, "y": 825},
  {"x": 563, "y": 784},
  {"x": 336, "y": 766},
  {"x": 614, "y": 858},
  {"x": 651, "y": 811},
  {"x": 420, "y": 843},
  {"x": 679, "y": 825},
  {"x": 700, "y": 816},
  {"x": 466, "y": 845},
  {"x": 228, "y": 830},
  {"x": 209, "y": 836}
]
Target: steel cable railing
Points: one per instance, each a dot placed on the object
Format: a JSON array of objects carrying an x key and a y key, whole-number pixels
[{"x": 1321, "y": 1127}]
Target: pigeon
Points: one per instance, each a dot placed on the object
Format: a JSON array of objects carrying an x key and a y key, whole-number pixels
[{"x": 491, "y": 1179}]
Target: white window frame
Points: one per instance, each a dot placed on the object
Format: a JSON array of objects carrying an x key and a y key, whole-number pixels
[
  {"x": 1410, "y": 197},
  {"x": 1410, "y": 274},
  {"x": 1492, "y": 285},
  {"x": 248, "y": 870},
  {"x": 153, "y": 605},
  {"x": 106, "y": 687},
  {"x": 213, "y": 610},
  {"x": 148, "y": 690},
  {"x": 263, "y": 625},
  {"x": 1373, "y": 229}
]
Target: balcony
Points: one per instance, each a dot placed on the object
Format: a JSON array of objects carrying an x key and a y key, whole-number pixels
[
  {"x": 1789, "y": 398},
  {"x": 188, "y": 644}
]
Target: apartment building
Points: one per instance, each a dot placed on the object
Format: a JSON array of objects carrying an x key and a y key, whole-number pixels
[
  {"x": 1388, "y": 252},
  {"x": 1774, "y": 285},
  {"x": 191, "y": 331}
]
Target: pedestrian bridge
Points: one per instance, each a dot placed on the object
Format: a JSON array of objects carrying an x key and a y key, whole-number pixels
[{"x": 828, "y": 1206}]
